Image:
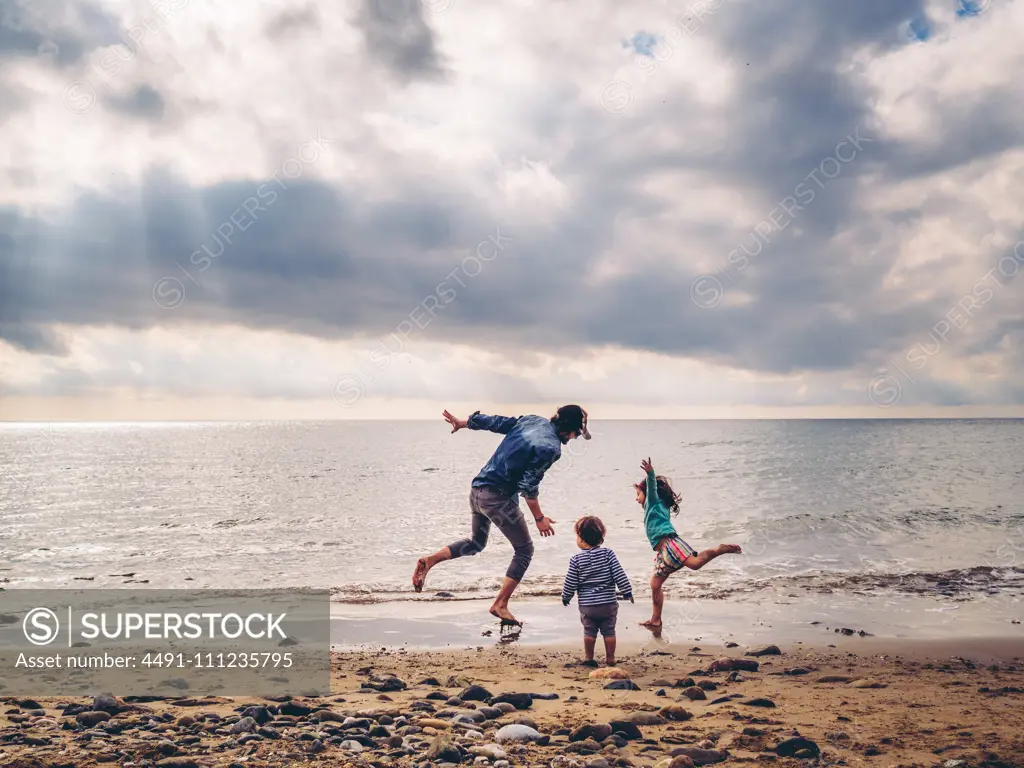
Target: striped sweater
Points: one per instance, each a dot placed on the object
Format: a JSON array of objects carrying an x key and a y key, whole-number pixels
[{"x": 593, "y": 575}]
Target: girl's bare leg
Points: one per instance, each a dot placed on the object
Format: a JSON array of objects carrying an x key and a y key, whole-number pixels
[
  {"x": 658, "y": 597},
  {"x": 698, "y": 561}
]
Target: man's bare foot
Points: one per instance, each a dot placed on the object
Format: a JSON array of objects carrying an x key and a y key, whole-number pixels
[
  {"x": 505, "y": 615},
  {"x": 728, "y": 549},
  {"x": 651, "y": 624},
  {"x": 420, "y": 574}
]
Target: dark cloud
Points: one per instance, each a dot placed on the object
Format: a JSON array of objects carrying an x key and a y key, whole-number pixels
[
  {"x": 33, "y": 338},
  {"x": 288, "y": 23},
  {"x": 342, "y": 262},
  {"x": 62, "y": 30},
  {"x": 397, "y": 36},
  {"x": 143, "y": 102}
]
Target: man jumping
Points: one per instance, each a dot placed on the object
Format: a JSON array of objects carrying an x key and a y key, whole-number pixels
[{"x": 531, "y": 445}]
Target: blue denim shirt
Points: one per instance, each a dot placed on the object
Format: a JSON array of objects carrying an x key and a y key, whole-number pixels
[{"x": 530, "y": 447}]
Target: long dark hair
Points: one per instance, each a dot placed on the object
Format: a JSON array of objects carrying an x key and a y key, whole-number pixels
[{"x": 668, "y": 497}]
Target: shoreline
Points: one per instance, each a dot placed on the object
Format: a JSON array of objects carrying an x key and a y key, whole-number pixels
[{"x": 815, "y": 621}]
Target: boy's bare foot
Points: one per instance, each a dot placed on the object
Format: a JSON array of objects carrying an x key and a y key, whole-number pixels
[
  {"x": 731, "y": 549},
  {"x": 420, "y": 574},
  {"x": 503, "y": 613}
]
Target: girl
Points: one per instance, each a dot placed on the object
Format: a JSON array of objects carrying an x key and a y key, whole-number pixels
[{"x": 657, "y": 498}]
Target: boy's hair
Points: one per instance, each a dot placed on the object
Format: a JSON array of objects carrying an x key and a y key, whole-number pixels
[{"x": 591, "y": 530}]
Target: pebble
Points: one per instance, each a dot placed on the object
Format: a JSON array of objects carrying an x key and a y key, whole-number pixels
[
  {"x": 586, "y": 747},
  {"x": 91, "y": 719},
  {"x": 517, "y": 733},
  {"x": 728, "y": 664},
  {"x": 492, "y": 751},
  {"x": 791, "y": 747},
  {"x": 701, "y": 756},
  {"x": 760, "y": 702},
  {"x": 443, "y": 749},
  {"x": 764, "y": 650},
  {"x": 627, "y": 729},
  {"x": 517, "y": 700},
  {"x": 694, "y": 693},
  {"x": 622, "y": 685},
  {"x": 868, "y": 683},
  {"x": 675, "y": 712},
  {"x": 245, "y": 725},
  {"x": 597, "y": 732},
  {"x": 475, "y": 693}
]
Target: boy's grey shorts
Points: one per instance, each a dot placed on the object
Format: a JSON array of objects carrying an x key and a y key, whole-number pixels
[{"x": 599, "y": 617}]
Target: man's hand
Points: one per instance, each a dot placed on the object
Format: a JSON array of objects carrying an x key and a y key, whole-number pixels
[
  {"x": 645, "y": 465},
  {"x": 546, "y": 526},
  {"x": 456, "y": 423}
]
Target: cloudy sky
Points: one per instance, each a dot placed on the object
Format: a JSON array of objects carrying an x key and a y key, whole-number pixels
[{"x": 211, "y": 209}]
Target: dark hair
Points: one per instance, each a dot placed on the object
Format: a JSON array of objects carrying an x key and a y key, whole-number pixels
[
  {"x": 591, "y": 530},
  {"x": 569, "y": 418},
  {"x": 667, "y": 496}
]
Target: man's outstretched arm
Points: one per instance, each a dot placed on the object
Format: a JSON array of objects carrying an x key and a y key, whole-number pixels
[{"x": 477, "y": 420}]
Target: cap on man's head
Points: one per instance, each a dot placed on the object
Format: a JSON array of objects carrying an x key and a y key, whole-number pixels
[{"x": 572, "y": 418}]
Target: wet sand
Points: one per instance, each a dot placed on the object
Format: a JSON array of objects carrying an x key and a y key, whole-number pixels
[
  {"x": 869, "y": 701},
  {"x": 810, "y": 619}
]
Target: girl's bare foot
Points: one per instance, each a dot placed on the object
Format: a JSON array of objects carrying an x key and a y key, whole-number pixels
[
  {"x": 503, "y": 613},
  {"x": 731, "y": 549},
  {"x": 420, "y": 574}
]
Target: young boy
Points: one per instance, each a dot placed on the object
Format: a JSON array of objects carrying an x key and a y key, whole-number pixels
[
  {"x": 594, "y": 573},
  {"x": 658, "y": 499}
]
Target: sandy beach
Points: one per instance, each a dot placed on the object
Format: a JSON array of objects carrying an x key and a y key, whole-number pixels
[{"x": 883, "y": 704}]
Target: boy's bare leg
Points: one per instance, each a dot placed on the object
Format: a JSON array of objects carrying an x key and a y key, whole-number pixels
[
  {"x": 658, "y": 598},
  {"x": 588, "y": 647},
  {"x": 500, "y": 607},
  {"x": 698, "y": 561},
  {"x": 609, "y": 651},
  {"x": 424, "y": 564}
]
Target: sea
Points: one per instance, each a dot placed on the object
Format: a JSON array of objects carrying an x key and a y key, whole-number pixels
[{"x": 872, "y": 526}]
